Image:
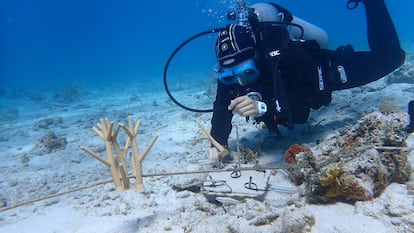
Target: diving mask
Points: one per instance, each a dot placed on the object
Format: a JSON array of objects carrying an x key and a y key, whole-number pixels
[{"x": 242, "y": 74}]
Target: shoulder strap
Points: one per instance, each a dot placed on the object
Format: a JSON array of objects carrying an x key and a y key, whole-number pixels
[{"x": 273, "y": 41}]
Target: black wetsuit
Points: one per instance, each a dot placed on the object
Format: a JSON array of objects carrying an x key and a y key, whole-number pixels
[{"x": 303, "y": 66}]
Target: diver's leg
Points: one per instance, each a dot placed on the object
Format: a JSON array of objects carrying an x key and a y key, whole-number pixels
[
  {"x": 367, "y": 66},
  {"x": 382, "y": 36}
]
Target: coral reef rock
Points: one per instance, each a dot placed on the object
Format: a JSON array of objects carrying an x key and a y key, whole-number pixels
[
  {"x": 49, "y": 143},
  {"x": 357, "y": 164}
]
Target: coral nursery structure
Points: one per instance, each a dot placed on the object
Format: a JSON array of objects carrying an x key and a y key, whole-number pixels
[{"x": 117, "y": 161}]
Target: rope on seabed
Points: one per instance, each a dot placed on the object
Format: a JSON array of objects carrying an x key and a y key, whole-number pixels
[
  {"x": 255, "y": 168},
  {"x": 54, "y": 195},
  {"x": 109, "y": 181}
]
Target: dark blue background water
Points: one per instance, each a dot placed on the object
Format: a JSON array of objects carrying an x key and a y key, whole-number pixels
[{"x": 50, "y": 43}]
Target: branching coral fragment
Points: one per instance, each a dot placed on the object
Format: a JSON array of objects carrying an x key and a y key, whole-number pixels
[{"x": 117, "y": 162}]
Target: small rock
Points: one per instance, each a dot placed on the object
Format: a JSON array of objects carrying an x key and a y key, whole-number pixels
[{"x": 3, "y": 203}]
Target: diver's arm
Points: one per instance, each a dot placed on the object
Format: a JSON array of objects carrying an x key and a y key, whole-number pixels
[
  {"x": 221, "y": 121},
  {"x": 385, "y": 53}
]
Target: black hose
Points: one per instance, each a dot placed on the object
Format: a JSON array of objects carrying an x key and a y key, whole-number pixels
[
  {"x": 169, "y": 61},
  {"x": 302, "y": 31}
]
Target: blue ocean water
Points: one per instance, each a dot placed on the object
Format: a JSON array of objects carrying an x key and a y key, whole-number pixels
[{"x": 51, "y": 43}]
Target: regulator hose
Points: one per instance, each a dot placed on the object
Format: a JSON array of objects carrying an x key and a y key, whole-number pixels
[{"x": 169, "y": 61}]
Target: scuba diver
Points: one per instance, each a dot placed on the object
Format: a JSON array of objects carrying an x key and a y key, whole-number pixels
[{"x": 267, "y": 75}]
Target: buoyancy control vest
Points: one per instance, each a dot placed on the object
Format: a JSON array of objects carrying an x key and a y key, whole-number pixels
[{"x": 290, "y": 60}]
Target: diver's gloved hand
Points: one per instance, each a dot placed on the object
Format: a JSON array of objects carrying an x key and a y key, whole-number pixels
[{"x": 246, "y": 106}]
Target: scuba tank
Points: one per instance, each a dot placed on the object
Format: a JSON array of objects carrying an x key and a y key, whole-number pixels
[{"x": 298, "y": 28}]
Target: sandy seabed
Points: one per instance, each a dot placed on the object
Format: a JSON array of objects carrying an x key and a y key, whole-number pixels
[{"x": 29, "y": 171}]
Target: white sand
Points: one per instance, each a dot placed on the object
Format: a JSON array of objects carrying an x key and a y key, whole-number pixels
[{"x": 159, "y": 208}]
